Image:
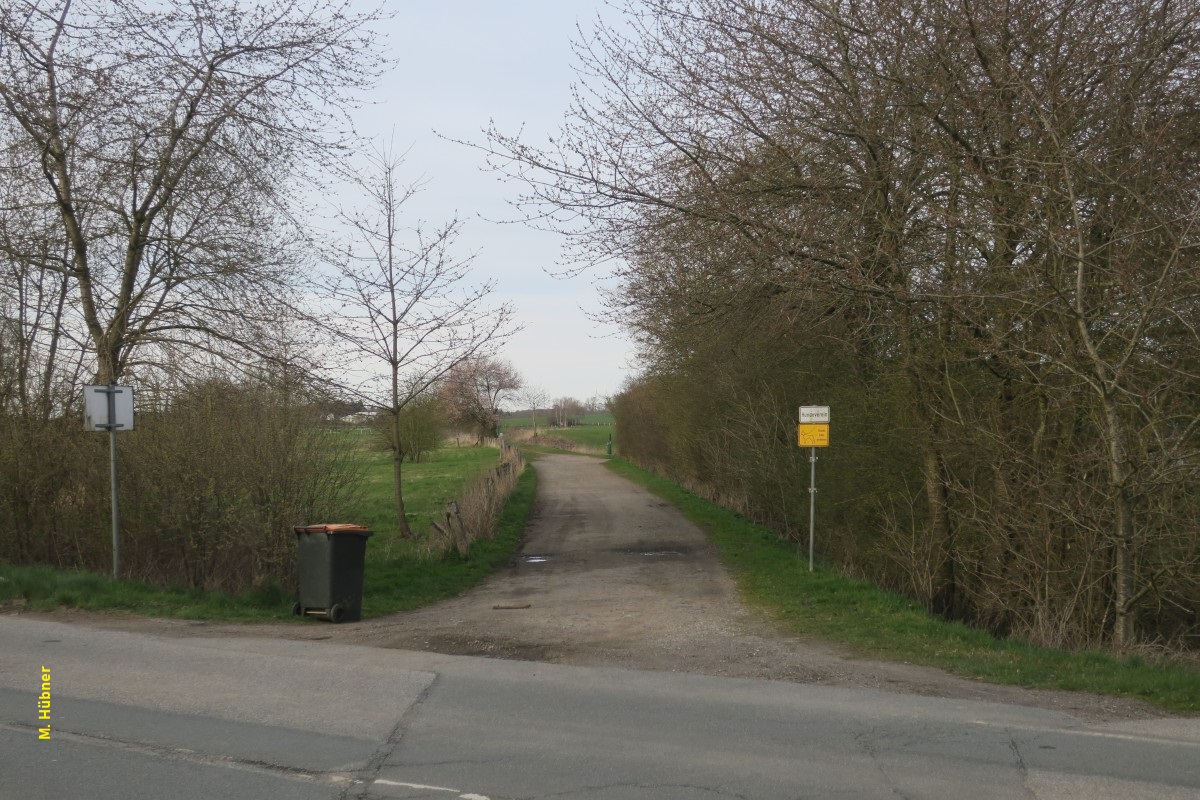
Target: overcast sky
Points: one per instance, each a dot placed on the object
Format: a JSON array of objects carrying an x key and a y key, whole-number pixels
[{"x": 461, "y": 63}]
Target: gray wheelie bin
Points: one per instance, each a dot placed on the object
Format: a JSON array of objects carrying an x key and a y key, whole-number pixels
[{"x": 330, "y": 563}]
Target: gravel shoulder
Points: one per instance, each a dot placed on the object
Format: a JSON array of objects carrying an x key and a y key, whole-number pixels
[{"x": 609, "y": 575}]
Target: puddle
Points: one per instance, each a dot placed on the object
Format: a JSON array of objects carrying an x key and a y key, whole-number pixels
[
  {"x": 651, "y": 553},
  {"x": 534, "y": 559}
]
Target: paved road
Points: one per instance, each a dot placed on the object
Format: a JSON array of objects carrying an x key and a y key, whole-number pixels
[{"x": 145, "y": 716}]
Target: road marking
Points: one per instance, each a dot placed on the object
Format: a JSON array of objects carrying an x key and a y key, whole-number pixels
[
  {"x": 423, "y": 787},
  {"x": 1145, "y": 738}
]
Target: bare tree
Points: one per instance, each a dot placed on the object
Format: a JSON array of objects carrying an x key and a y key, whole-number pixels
[
  {"x": 165, "y": 141},
  {"x": 405, "y": 314},
  {"x": 474, "y": 391},
  {"x": 535, "y": 397},
  {"x": 41, "y": 359},
  {"x": 567, "y": 411}
]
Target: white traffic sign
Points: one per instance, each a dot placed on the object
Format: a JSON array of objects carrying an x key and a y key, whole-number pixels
[
  {"x": 96, "y": 408},
  {"x": 814, "y": 414}
]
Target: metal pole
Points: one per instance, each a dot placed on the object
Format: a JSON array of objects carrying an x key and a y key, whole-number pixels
[
  {"x": 812, "y": 503},
  {"x": 116, "y": 517},
  {"x": 112, "y": 452}
]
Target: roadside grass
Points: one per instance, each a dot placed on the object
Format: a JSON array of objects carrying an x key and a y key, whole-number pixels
[
  {"x": 42, "y": 588},
  {"x": 399, "y": 574},
  {"x": 873, "y": 623},
  {"x": 409, "y": 578}
]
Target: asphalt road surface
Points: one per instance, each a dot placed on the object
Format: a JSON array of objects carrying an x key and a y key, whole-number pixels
[{"x": 140, "y": 716}]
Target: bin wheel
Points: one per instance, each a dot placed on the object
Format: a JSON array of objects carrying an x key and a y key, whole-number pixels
[
  {"x": 297, "y": 610},
  {"x": 336, "y": 613}
]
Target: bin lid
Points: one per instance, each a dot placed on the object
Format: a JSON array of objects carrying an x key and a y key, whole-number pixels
[{"x": 335, "y": 527}]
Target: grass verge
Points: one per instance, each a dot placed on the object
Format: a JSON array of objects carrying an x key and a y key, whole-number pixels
[
  {"x": 878, "y": 624},
  {"x": 42, "y": 588},
  {"x": 399, "y": 584}
]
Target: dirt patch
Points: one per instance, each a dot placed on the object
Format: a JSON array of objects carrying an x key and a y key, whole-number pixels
[{"x": 609, "y": 575}]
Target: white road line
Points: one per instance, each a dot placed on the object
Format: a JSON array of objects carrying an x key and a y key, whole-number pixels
[
  {"x": 421, "y": 786},
  {"x": 1147, "y": 738}
]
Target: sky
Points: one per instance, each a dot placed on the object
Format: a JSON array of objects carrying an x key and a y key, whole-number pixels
[{"x": 459, "y": 65}]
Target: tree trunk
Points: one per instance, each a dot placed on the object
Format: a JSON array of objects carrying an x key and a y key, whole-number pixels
[
  {"x": 397, "y": 470},
  {"x": 1123, "y": 629},
  {"x": 945, "y": 597},
  {"x": 1123, "y": 601}
]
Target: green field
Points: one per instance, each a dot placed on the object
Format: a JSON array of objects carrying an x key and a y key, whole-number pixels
[
  {"x": 543, "y": 421},
  {"x": 590, "y": 436},
  {"x": 398, "y": 574},
  {"x": 877, "y": 624},
  {"x": 428, "y": 486}
]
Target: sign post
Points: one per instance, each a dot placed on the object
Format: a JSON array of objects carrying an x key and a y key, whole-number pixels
[
  {"x": 110, "y": 408},
  {"x": 813, "y": 432}
]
